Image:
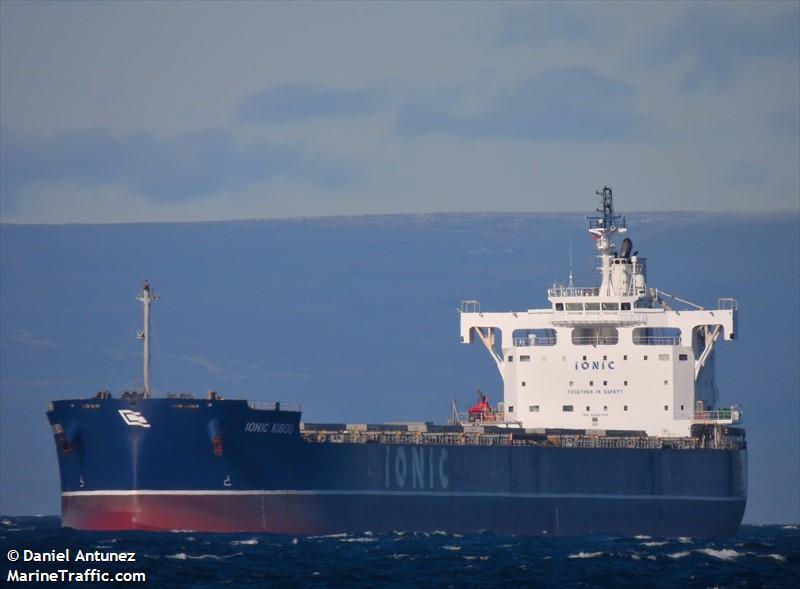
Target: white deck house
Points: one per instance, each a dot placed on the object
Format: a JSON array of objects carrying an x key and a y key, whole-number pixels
[{"x": 613, "y": 357}]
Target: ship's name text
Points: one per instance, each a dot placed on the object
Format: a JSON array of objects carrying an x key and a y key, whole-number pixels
[
  {"x": 416, "y": 468},
  {"x": 595, "y": 365},
  {"x": 268, "y": 428}
]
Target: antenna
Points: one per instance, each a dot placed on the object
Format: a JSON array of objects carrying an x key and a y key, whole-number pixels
[{"x": 570, "y": 285}]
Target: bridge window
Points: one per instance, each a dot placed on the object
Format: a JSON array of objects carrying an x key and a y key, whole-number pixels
[
  {"x": 592, "y": 306},
  {"x": 511, "y": 409},
  {"x": 683, "y": 357},
  {"x": 610, "y": 306},
  {"x": 595, "y": 336},
  {"x": 657, "y": 336},
  {"x": 663, "y": 356},
  {"x": 511, "y": 358},
  {"x": 574, "y": 306},
  {"x": 524, "y": 358},
  {"x": 533, "y": 409},
  {"x": 559, "y": 306},
  {"x": 624, "y": 407},
  {"x": 566, "y": 408},
  {"x": 626, "y": 306}
]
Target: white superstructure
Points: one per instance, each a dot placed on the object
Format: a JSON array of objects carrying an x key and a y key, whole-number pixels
[{"x": 613, "y": 357}]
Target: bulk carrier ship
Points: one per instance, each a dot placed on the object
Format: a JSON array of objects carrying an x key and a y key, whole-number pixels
[{"x": 609, "y": 423}]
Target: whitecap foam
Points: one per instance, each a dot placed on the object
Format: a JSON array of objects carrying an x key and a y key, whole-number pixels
[
  {"x": 586, "y": 555},
  {"x": 778, "y": 557},
  {"x": 184, "y": 556},
  {"x": 359, "y": 539},
  {"x": 682, "y": 554},
  {"x": 789, "y": 527},
  {"x": 641, "y": 537},
  {"x": 248, "y": 542},
  {"x": 451, "y": 547},
  {"x": 654, "y": 543},
  {"x": 724, "y": 554},
  {"x": 342, "y": 535},
  {"x": 684, "y": 540}
]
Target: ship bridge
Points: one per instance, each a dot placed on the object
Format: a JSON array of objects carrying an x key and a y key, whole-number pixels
[{"x": 618, "y": 356}]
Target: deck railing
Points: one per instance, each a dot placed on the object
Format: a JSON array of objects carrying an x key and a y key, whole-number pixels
[
  {"x": 273, "y": 406},
  {"x": 520, "y": 438},
  {"x": 729, "y": 415},
  {"x": 657, "y": 340}
]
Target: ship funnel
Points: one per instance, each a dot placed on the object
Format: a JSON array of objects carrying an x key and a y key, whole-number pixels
[{"x": 627, "y": 246}]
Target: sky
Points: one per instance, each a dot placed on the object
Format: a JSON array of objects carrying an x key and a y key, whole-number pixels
[{"x": 188, "y": 111}]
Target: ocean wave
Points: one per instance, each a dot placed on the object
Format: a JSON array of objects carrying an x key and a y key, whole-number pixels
[
  {"x": 184, "y": 556},
  {"x": 682, "y": 554},
  {"x": 724, "y": 554},
  {"x": 248, "y": 542},
  {"x": 326, "y": 536},
  {"x": 586, "y": 555},
  {"x": 359, "y": 539}
]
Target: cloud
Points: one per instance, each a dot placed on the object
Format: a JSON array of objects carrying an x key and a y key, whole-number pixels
[
  {"x": 570, "y": 103},
  {"x": 721, "y": 43},
  {"x": 534, "y": 24},
  {"x": 183, "y": 167},
  {"x": 291, "y": 102}
]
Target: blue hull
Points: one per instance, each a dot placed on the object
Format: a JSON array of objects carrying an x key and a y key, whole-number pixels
[{"x": 163, "y": 464}]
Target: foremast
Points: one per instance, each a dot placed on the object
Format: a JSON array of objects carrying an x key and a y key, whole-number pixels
[{"x": 146, "y": 297}]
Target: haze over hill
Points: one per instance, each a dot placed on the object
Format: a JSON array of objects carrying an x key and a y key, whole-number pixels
[{"x": 356, "y": 318}]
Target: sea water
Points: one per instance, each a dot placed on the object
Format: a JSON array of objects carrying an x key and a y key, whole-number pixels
[{"x": 757, "y": 556}]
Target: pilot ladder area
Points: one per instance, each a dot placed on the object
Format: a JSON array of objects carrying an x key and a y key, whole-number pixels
[{"x": 703, "y": 436}]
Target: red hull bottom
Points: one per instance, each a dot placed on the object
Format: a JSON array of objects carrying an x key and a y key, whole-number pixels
[{"x": 312, "y": 513}]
